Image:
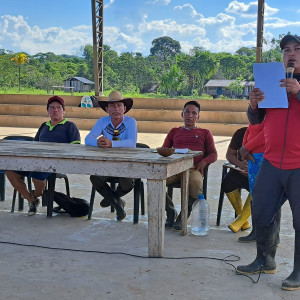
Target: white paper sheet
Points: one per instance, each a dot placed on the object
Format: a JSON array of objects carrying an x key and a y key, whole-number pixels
[
  {"x": 267, "y": 77},
  {"x": 181, "y": 151}
]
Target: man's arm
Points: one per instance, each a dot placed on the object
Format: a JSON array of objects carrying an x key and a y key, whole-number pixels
[
  {"x": 74, "y": 134},
  {"x": 168, "y": 142},
  {"x": 256, "y": 115},
  {"x": 211, "y": 153},
  {"x": 92, "y": 137}
]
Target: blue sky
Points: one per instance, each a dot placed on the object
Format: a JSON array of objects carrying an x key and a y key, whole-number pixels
[{"x": 64, "y": 26}]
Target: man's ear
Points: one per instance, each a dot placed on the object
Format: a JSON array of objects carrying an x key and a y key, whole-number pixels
[
  {"x": 125, "y": 108},
  {"x": 182, "y": 114}
]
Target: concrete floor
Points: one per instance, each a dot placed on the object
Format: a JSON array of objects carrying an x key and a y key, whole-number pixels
[{"x": 110, "y": 261}]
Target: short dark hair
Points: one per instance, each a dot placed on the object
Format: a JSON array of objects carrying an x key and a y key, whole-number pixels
[{"x": 192, "y": 102}]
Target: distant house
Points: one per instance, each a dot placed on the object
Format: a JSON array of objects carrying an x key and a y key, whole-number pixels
[
  {"x": 80, "y": 84},
  {"x": 218, "y": 87}
]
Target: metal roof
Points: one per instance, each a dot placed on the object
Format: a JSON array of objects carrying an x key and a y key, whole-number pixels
[
  {"x": 81, "y": 79},
  {"x": 218, "y": 83}
]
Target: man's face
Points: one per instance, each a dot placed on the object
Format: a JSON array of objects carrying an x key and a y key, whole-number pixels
[
  {"x": 116, "y": 109},
  {"x": 56, "y": 111},
  {"x": 190, "y": 115},
  {"x": 291, "y": 53}
]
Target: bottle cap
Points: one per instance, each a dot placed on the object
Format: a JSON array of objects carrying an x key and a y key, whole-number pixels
[{"x": 200, "y": 196}]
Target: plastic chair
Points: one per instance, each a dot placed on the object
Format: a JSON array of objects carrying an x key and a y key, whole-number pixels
[
  {"x": 178, "y": 185},
  {"x": 138, "y": 194},
  {"x": 225, "y": 168},
  {"x": 2, "y": 180},
  {"x": 2, "y": 172}
]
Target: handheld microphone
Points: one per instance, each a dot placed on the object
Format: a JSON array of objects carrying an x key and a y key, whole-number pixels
[
  {"x": 289, "y": 73},
  {"x": 290, "y": 69}
]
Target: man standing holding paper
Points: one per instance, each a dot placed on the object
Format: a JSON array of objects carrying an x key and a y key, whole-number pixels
[
  {"x": 197, "y": 139},
  {"x": 279, "y": 176}
]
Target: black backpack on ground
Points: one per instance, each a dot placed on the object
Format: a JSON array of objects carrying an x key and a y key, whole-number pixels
[{"x": 76, "y": 207}]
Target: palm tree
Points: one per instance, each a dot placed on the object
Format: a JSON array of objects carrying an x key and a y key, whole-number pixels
[{"x": 20, "y": 59}]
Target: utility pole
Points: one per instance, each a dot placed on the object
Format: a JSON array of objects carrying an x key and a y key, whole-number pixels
[
  {"x": 260, "y": 30},
  {"x": 97, "y": 21}
]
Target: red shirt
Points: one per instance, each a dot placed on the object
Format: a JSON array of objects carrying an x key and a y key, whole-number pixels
[
  {"x": 282, "y": 136},
  {"x": 254, "y": 138},
  {"x": 196, "y": 139}
]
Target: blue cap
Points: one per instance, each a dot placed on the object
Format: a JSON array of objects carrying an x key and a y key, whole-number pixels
[{"x": 200, "y": 196}]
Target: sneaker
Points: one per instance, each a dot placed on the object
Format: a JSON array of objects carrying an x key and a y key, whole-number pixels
[
  {"x": 33, "y": 207},
  {"x": 105, "y": 203}
]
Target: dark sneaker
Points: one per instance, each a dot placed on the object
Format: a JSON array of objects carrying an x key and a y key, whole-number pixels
[
  {"x": 33, "y": 207},
  {"x": 177, "y": 225},
  {"x": 105, "y": 203},
  {"x": 171, "y": 217},
  {"x": 119, "y": 206}
]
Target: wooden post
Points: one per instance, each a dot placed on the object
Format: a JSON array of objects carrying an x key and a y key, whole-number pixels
[
  {"x": 97, "y": 22},
  {"x": 260, "y": 30}
]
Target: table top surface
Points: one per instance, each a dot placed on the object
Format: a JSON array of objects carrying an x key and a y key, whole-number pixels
[{"x": 83, "y": 152}]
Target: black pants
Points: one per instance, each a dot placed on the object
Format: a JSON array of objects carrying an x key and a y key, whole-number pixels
[
  {"x": 234, "y": 180},
  {"x": 272, "y": 188}
]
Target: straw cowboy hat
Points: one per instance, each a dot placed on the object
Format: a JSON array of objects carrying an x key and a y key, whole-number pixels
[{"x": 116, "y": 96}]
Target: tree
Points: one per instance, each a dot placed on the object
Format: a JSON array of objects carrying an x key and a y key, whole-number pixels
[
  {"x": 165, "y": 47},
  {"x": 236, "y": 87},
  {"x": 20, "y": 59},
  {"x": 246, "y": 51},
  {"x": 198, "y": 68},
  {"x": 172, "y": 80}
]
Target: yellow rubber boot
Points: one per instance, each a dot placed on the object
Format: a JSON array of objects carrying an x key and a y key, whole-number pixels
[
  {"x": 236, "y": 201},
  {"x": 241, "y": 222}
]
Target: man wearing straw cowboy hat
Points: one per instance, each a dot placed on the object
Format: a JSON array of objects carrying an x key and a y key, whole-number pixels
[{"x": 116, "y": 130}]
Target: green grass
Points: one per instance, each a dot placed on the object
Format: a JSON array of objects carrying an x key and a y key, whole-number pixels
[{"x": 31, "y": 91}]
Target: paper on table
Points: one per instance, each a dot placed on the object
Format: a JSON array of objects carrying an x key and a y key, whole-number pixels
[
  {"x": 267, "y": 77},
  {"x": 181, "y": 151}
]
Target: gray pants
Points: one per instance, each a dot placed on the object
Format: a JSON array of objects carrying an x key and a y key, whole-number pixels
[{"x": 272, "y": 188}]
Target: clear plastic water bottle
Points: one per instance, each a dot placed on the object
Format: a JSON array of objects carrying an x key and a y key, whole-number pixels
[{"x": 200, "y": 216}]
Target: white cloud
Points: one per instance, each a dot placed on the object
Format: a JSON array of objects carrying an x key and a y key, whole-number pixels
[
  {"x": 111, "y": 2},
  {"x": 34, "y": 39},
  {"x": 169, "y": 27},
  {"x": 161, "y": 2},
  {"x": 249, "y": 10},
  {"x": 190, "y": 8}
]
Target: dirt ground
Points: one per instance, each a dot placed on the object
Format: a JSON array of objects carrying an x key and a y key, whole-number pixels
[{"x": 73, "y": 258}]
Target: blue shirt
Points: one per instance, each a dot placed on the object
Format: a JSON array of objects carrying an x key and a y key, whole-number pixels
[{"x": 127, "y": 132}]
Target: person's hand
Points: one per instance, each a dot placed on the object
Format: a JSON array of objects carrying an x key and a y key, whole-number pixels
[
  {"x": 104, "y": 142},
  {"x": 291, "y": 84},
  {"x": 245, "y": 154},
  {"x": 243, "y": 165},
  {"x": 255, "y": 96},
  {"x": 201, "y": 166}
]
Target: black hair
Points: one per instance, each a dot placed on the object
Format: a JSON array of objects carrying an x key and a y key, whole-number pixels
[{"x": 192, "y": 102}]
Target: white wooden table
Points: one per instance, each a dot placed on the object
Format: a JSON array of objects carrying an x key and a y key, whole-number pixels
[{"x": 118, "y": 162}]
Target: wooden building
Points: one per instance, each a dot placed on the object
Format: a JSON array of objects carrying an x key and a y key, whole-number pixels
[
  {"x": 80, "y": 84},
  {"x": 218, "y": 87}
]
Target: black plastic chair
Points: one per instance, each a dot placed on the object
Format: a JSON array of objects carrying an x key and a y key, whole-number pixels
[
  {"x": 138, "y": 194},
  {"x": 2, "y": 175},
  {"x": 2, "y": 180},
  {"x": 225, "y": 168},
  {"x": 178, "y": 185}
]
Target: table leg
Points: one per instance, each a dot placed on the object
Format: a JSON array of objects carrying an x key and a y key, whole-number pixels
[
  {"x": 184, "y": 200},
  {"x": 156, "y": 216},
  {"x": 51, "y": 187}
]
